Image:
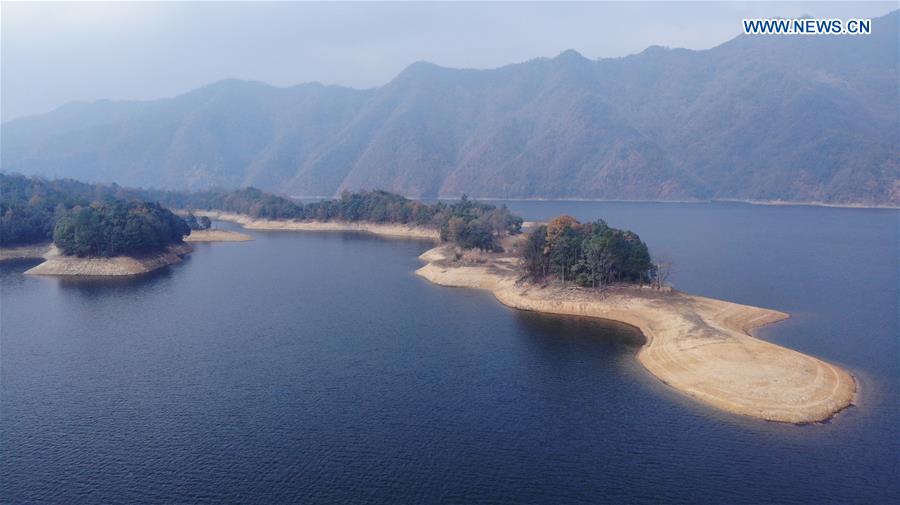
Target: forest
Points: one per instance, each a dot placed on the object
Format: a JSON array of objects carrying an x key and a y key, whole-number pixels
[
  {"x": 117, "y": 228},
  {"x": 588, "y": 254},
  {"x": 106, "y": 220},
  {"x": 31, "y": 209},
  {"x": 467, "y": 223},
  {"x": 83, "y": 219}
]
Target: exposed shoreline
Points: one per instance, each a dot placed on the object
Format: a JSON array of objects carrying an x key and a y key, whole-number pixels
[
  {"x": 58, "y": 264},
  {"x": 699, "y": 346},
  {"x": 811, "y": 203},
  {"x": 25, "y": 252},
  {"x": 782, "y": 203},
  {"x": 382, "y": 229},
  {"x": 217, "y": 236}
]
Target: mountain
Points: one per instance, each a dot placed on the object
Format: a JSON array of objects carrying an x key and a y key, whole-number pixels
[{"x": 802, "y": 118}]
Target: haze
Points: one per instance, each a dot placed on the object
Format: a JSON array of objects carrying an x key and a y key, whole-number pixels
[{"x": 54, "y": 53}]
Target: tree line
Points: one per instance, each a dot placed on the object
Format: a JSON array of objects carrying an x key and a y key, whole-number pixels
[
  {"x": 83, "y": 219},
  {"x": 588, "y": 254},
  {"x": 30, "y": 209},
  {"x": 467, "y": 223},
  {"x": 107, "y": 220}
]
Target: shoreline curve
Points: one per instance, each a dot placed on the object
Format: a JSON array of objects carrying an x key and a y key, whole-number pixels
[{"x": 699, "y": 346}]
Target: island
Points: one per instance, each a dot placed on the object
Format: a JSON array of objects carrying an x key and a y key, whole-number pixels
[
  {"x": 80, "y": 229},
  {"x": 116, "y": 238}
]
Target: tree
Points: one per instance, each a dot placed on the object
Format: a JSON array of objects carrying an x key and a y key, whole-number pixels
[
  {"x": 191, "y": 221},
  {"x": 597, "y": 260},
  {"x": 591, "y": 254},
  {"x": 565, "y": 250},
  {"x": 663, "y": 267},
  {"x": 535, "y": 253},
  {"x": 205, "y": 223}
]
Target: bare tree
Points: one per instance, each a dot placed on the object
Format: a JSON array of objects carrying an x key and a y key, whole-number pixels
[{"x": 664, "y": 269}]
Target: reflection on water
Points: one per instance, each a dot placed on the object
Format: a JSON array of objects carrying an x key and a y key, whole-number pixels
[
  {"x": 111, "y": 285},
  {"x": 579, "y": 329}
]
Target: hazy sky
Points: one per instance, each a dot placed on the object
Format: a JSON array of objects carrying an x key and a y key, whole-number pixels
[{"x": 53, "y": 53}]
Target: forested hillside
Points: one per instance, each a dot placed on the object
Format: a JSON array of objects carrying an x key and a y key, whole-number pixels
[{"x": 758, "y": 117}]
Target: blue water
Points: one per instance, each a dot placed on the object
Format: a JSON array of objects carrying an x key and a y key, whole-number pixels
[{"x": 316, "y": 368}]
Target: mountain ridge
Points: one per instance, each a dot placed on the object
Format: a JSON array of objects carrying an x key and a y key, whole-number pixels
[{"x": 799, "y": 119}]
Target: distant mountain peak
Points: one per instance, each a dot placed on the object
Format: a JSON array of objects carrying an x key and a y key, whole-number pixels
[
  {"x": 571, "y": 55},
  {"x": 656, "y": 49},
  {"x": 234, "y": 84},
  {"x": 422, "y": 67}
]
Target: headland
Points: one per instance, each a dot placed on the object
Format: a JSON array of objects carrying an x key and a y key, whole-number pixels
[{"x": 699, "y": 346}]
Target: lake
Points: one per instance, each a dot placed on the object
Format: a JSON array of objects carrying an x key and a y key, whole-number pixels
[{"x": 316, "y": 368}]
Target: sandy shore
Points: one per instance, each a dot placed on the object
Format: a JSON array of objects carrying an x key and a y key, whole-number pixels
[
  {"x": 217, "y": 236},
  {"x": 58, "y": 264},
  {"x": 385, "y": 230},
  {"x": 699, "y": 346},
  {"x": 24, "y": 252}
]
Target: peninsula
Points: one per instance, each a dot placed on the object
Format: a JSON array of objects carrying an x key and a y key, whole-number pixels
[{"x": 699, "y": 346}]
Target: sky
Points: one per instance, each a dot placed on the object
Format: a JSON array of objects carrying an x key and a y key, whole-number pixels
[{"x": 54, "y": 53}]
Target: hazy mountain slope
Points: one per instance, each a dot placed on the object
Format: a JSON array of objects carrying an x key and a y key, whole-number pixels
[{"x": 810, "y": 118}]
